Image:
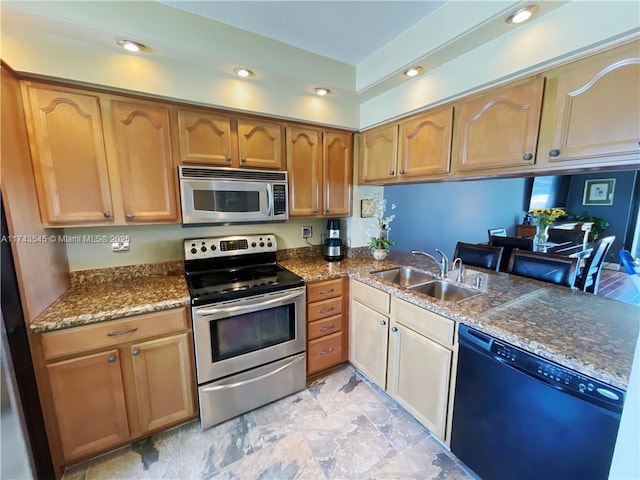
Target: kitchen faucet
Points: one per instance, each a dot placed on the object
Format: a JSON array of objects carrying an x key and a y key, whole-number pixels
[{"x": 443, "y": 263}]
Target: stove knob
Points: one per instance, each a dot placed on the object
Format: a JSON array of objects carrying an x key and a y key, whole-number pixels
[
  {"x": 253, "y": 244},
  {"x": 194, "y": 251},
  {"x": 213, "y": 248},
  {"x": 203, "y": 248},
  {"x": 269, "y": 244},
  {"x": 262, "y": 244}
]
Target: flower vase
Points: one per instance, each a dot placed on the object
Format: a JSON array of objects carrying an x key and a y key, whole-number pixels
[
  {"x": 542, "y": 234},
  {"x": 379, "y": 253}
]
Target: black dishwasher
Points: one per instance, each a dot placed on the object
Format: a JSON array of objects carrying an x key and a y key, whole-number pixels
[{"x": 518, "y": 416}]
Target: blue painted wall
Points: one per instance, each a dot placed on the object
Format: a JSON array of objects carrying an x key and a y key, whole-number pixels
[
  {"x": 617, "y": 214},
  {"x": 438, "y": 215}
]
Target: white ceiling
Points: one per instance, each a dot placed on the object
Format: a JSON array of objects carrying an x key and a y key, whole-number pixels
[{"x": 345, "y": 31}]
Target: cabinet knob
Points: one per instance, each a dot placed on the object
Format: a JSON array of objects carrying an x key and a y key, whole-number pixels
[
  {"x": 394, "y": 329},
  {"x": 107, "y": 214},
  {"x": 243, "y": 159},
  {"x": 111, "y": 359},
  {"x": 401, "y": 172},
  {"x": 315, "y": 212},
  {"x": 129, "y": 216},
  {"x": 527, "y": 156},
  {"x": 554, "y": 153},
  {"x": 392, "y": 173},
  {"x": 326, "y": 211},
  {"x": 228, "y": 158},
  {"x": 135, "y": 352},
  {"x": 383, "y": 323}
]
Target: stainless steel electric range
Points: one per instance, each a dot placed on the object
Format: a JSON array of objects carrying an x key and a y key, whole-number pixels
[{"x": 249, "y": 319}]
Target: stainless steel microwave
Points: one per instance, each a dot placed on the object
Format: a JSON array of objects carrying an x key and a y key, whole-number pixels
[{"x": 228, "y": 195}]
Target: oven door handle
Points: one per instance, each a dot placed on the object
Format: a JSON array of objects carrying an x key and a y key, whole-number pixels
[
  {"x": 240, "y": 308},
  {"x": 251, "y": 380}
]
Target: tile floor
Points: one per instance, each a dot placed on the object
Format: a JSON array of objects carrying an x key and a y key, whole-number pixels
[{"x": 340, "y": 427}]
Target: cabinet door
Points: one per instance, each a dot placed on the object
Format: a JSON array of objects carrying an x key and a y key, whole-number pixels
[
  {"x": 596, "y": 109},
  {"x": 305, "y": 174},
  {"x": 69, "y": 158},
  {"x": 426, "y": 144},
  {"x": 205, "y": 138},
  {"x": 163, "y": 381},
  {"x": 500, "y": 128},
  {"x": 378, "y": 154},
  {"x": 368, "y": 335},
  {"x": 337, "y": 173},
  {"x": 143, "y": 145},
  {"x": 419, "y": 373},
  {"x": 260, "y": 144},
  {"x": 89, "y": 403}
]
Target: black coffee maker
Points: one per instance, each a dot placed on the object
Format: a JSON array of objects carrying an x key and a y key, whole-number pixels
[{"x": 333, "y": 243}]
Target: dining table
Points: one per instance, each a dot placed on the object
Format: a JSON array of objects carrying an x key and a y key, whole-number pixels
[{"x": 581, "y": 251}]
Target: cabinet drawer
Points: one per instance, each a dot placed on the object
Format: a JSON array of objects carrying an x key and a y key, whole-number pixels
[
  {"x": 323, "y": 290},
  {"x": 324, "y": 353},
  {"x": 324, "y": 309},
  {"x": 323, "y": 327},
  {"x": 429, "y": 324},
  {"x": 371, "y": 297},
  {"x": 106, "y": 334}
]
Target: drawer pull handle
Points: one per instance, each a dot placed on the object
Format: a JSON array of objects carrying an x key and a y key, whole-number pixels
[
  {"x": 111, "y": 359},
  {"x": 115, "y": 334},
  {"x": 324, "y": 292},
  {"x": 135, "y": 352},
  {"x": 322, "y": 329},
  {"x": 329, "y": 350},
  {"x": 325, "y": 310}
]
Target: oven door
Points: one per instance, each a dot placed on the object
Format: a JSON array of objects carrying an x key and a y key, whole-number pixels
[
  {"x": 237, "y": 335},
  {"x": 223, "y": 201}
]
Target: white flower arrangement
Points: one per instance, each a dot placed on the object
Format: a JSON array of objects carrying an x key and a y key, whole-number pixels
[{"x": 380, "y": 238}]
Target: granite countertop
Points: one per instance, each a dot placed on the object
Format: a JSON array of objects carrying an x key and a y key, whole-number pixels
[
  {"x": 92, "y": 302},
  {"x": 592, "y": 335}
]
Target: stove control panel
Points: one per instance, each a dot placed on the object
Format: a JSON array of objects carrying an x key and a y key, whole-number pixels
[{"x": 216, "y": 247}]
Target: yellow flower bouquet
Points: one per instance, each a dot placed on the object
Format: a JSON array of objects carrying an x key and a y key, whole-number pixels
[{"x": 543, "y": 217}]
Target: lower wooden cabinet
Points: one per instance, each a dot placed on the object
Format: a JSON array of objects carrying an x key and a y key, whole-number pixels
[
  {"x": 369, "y": 337},
  {"x": 327, "y": 325},
  {"x": 135, "y": 386}
]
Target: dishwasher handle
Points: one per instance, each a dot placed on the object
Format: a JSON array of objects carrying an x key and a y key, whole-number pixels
[{"x": 475, "y": 339}]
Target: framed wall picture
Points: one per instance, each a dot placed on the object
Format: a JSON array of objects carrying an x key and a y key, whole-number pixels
[
  {"x": 599, "y": 192},
  {"x": 367, "y": 208}
]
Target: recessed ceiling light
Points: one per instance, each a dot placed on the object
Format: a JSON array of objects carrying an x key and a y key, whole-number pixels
[
  {"x": 413, "y": 71},
  {"x": 131, "y": 46},
  {"x": 523, "y": 14},
  {"x": 243, "y": 72},
  {"x": 322, "y": 91}
]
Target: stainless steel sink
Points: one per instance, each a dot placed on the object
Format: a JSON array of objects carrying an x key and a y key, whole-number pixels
[
  {"x": 403, "y": 276},
  {"x": 444, "y": 290}
]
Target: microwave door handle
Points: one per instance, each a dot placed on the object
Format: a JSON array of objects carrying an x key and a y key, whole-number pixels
[
  {"x": 270, "y": 200},
  {"x": 250, "y": 306}
]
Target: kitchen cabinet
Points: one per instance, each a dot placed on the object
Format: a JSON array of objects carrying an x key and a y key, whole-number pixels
[
  {"x": 369, "y": 331},
  {"x": 142, "y": 140},
  {"x": 499, "y": 128},
  {"x": 421, "y": 358},
  {"x": 327, "y": 326},
  {"x": 205, "y": 138},
  {"x": 100, "y": 159},
  {"x": 320, "y": 169},
  {"x": 379, "y": 154},
  {"x": 260, "y": 144},
  {"x": 591, "y": 111},
  {"x": 425, "y": 144},
  {"x": 69, "y": 157},
  {"x": 117, "y": 381}
]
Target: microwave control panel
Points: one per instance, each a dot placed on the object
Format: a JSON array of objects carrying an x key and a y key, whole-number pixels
[{"x": 279, "y": 199}]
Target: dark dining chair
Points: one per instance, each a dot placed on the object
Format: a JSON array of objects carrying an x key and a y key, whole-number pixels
[
  {"x": 558, "y": 235},
  {"x": 626, "y": 260},
  {"x": 483, "y": 256},
  {"x": 508, "y": 244},
  {"x": 496, "y": 232},
  {"x": 545, "y": 267},
  {"x": 589, "y": 278}
]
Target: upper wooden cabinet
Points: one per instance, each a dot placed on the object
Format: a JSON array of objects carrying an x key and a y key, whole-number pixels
[
  {"x": 260, "y": 144},
  {"x": 143, "y": 144},
  {"x": 592, "y": 110},
  {"x": 379, "y": 154},
  {"x": 425, "y": 143},
  {"x": 499, "y": 128},
  {"x": 69, "y": 159},
  {"x": 98, "y": 159},
  {"x": 205, "y": 138},
  {"x": 320, "y": 172}
]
